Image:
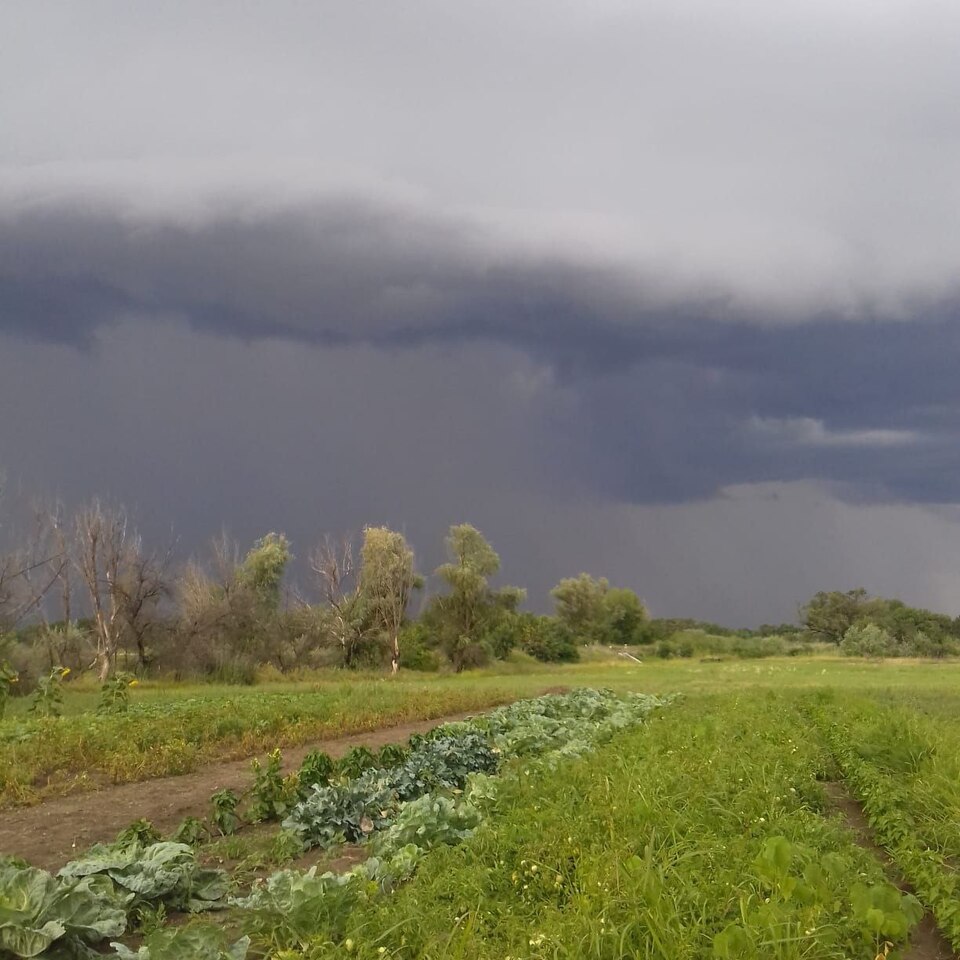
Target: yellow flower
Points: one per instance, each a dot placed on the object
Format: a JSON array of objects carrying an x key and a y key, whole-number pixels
[{"x": 134, "y": 683}]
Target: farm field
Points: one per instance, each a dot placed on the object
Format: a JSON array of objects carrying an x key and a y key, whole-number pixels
[
  {"x": 173, "y": 729},
  {"x": 719, "y": 823}
]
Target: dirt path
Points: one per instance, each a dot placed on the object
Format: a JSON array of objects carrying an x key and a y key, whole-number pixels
[
  {"x": 58, "y": 830},
  {"x": 926, "y": 941}
]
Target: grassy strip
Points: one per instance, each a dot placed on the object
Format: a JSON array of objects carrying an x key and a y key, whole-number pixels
[
  {"x": 903, "y": 769},
  {"x": 58, "y": 756},
  {"x": 698, "y": 835}
]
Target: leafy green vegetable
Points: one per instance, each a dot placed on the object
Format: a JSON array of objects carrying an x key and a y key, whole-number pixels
[
  {"x": 140, "y": 831},
  {"x": 443, "y": 759},
  {"x": 166, "y": 872},
  {"x": 191, "y": 831},
  {"x": 391, "y": 755},
  {"x": 344, "y": 812},
  {"x": 356, "y": 762},
  {"x": 273, "y": 794},
  {"x": 37, "y": 911},
  {"x": 317, "y": 768},
  {"x": 225, "y": 818},
  {"x": 290, "y": 906},
  {"x": 444, "y": 763},
  {"x": 428, "y": 822},
  {"x": 186, "y": 943}
]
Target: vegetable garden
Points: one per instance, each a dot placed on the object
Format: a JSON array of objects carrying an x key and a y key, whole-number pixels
[{"x": 583, "y": 824}]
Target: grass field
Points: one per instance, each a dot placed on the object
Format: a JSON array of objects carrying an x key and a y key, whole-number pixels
[
  {"x": 706, "y": 829},
  {"x": 176, "y": 728}
]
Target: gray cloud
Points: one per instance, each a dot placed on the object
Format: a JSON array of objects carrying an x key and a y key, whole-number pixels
[
  {"x": 670, "y": 398},
  {"x": 796, "y": 156}
]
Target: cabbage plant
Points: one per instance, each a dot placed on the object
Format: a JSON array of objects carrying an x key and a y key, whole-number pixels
[{"x": 41, "y": 916}]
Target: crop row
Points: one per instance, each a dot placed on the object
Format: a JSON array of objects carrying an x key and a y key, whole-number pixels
[
  {"x": 416, "y": 803},
  {"x": 700, "y": 834},
  {"x": 903, "y": 768}
]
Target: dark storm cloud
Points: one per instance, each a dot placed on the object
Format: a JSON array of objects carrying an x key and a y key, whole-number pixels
[
  {"x": 675, "y": 395},
  {"x": 527, "y": 264},
  {"x": 327, "y": 271}
]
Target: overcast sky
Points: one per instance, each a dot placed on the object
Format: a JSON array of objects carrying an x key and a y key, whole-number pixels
[{"x": 666, "y": 291}]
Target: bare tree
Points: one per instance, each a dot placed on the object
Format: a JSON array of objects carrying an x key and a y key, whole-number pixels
[
  {"x": 54, "y": 520},
  {"x": 334, "y": 562},
  {"x": 27, "y": 575},
  {"x": 64, "y": 641},
  {"x": 25, "y": 580},
  {"x": 123, "y": 583},
  {"x": 143, "y": 585},
  {"x": 101, "y": 543}
]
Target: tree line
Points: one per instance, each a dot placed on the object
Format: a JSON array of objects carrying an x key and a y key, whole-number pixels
[
  {"x": 859, "y": 624},
  {"x": 85, "y": 591}
]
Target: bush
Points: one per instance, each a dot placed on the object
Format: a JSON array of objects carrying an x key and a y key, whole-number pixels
[
  {"x": 922, "y": 644},
  {"x": 867, "y": 640},
  {"x": 416, "y": 649},
  {"x": 551, "y": 641},
  {"x": 755, "y": 647},
  {"x": 237, "y": 671},
  {"x": 504, "y": 635}
]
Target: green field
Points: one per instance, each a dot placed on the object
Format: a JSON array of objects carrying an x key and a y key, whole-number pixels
[
  {"x": 704, "y": 826},
  {"x": 176, "y": 728}
]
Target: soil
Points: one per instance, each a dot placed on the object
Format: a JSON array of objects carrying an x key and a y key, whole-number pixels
[
  {"x": 58, "y": 830},
  {"x": 926, "y": 940}
]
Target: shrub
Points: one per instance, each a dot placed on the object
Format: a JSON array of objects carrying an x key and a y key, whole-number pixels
[
  {"x": 416, "y": 649},
  {"x": 867, "y": 640},
  {"x": 551, "y": 641},
  {"x": 755, "y": 647},
  {"x": 504, "y": 635}
]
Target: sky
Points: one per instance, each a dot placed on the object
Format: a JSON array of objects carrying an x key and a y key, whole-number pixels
[{"x": 663, "y": 290}]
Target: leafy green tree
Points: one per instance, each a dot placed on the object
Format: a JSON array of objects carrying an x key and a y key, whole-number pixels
[
  {"x": 466, "y": 618},
  {"x": 263, "y": 568},
  {"x": 579, "y": 605},
  {"x": 550, "y": 640},
  {"x": 622, "y": 617},
  {"x": 595, "y": 612},
  {"x": 387, "y": 579},
  {"x": 829, "y": 615}
]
